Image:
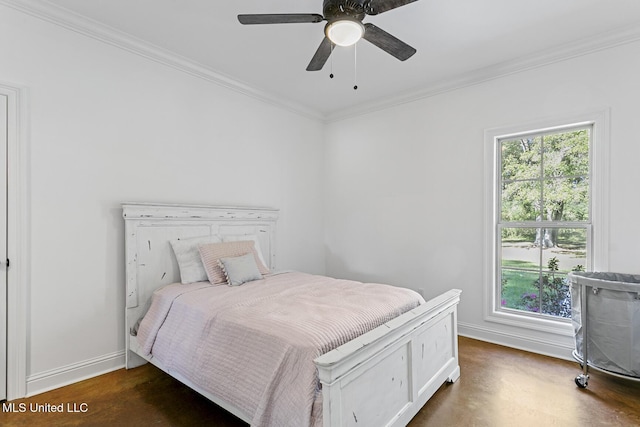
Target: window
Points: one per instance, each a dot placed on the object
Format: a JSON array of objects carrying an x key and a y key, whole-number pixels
[
  {"x": 545, "y": 218},
  {"x": 544, "y": 226}
]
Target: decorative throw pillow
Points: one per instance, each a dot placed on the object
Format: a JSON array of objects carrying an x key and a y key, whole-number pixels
[
  {"x": 253, "y": 237},
  {"x": 212, "y": 252},
  {"x": 188, "y": 257},
  {"x": 240, "y": 269}
]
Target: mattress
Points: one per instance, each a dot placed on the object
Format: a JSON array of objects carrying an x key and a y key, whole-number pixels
[{"x": 253, "y": 345}]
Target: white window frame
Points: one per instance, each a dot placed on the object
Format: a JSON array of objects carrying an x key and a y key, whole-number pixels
[{"x": 599, "y": 180}]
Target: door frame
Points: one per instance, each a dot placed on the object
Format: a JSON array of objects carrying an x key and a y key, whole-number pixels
[{"x": 18, "y": 238}]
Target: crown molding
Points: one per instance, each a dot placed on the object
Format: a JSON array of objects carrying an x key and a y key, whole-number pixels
[
  {"x": 57, "y": 15},
  {"x": 551, "y": 56},
  {"x": 69, "y": 20}
]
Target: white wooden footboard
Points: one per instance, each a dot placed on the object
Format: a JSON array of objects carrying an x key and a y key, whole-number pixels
[{"x": 385, "y": 376}]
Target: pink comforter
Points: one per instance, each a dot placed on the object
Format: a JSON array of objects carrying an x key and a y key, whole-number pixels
[{"x": 253, "y": 345}]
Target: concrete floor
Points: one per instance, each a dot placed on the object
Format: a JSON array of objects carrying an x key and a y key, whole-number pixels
[{"x": 498, "y": 387}]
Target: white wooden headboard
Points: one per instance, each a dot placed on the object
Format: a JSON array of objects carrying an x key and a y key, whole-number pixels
[{"x": 150, "y": 261}]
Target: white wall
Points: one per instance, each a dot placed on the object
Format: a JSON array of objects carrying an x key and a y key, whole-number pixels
[
  {"x": 107, "y": 126},
  {"x": 398, "y": 197},
  {"x": 404, "y": 192}
]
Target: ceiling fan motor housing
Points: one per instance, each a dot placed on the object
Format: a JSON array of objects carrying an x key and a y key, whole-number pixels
[{"x": 340, "y": 9}]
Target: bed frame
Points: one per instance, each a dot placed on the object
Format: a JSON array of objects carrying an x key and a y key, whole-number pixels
[{"x": 381, "y": 378}]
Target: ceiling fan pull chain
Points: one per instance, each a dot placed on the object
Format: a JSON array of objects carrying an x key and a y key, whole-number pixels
[
  {"x": 331, "y": 57},
  {"x": 355, "y": 66}
]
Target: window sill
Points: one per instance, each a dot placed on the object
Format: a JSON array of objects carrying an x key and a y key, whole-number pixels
[{"x": 556, "y": 327}]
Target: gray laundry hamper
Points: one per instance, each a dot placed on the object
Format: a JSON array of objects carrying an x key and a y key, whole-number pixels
[{"x": 605, "y": 313}]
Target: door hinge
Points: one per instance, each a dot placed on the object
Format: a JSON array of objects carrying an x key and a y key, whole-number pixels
[{"x": 7, "y": 262}]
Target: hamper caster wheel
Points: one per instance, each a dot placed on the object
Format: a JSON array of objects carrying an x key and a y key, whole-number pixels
[{"x": 582, "y": 381}]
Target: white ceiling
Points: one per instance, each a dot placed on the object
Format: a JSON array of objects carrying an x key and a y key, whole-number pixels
[{"x": 456, "y": 41}]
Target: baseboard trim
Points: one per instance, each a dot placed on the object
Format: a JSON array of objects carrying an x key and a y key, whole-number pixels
[
  {"x": 60, "y": 377},
  {"x": 559, "y": 349}
]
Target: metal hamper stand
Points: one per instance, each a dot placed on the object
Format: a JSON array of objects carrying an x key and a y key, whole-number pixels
[{"x": 598, "y": 281}]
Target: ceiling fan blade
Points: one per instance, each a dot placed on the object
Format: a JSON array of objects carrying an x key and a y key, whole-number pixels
[
  {"x": 282, "y": 18},
  {"x": 321, "y": 55},
  {"x": 387, "y": 42},
  {"x": 376, "y": 7}
]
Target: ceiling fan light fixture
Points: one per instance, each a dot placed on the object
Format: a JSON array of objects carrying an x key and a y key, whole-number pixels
[{"x": 344, "y": 32}]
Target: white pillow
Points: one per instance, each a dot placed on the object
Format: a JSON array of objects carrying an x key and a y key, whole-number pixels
[
  {"x": 240, "y": 269},
  {"x": 251, "y": 237},
  {"x": 188, "y": 257}
]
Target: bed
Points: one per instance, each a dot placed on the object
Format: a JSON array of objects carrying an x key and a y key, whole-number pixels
[{"x": 379, "y": 375}]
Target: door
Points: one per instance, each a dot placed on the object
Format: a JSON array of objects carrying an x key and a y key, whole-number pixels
[{"x": 3, "y": 245}]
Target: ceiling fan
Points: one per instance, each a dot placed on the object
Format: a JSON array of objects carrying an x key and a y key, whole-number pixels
[{"x": 344, "y": 27}]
